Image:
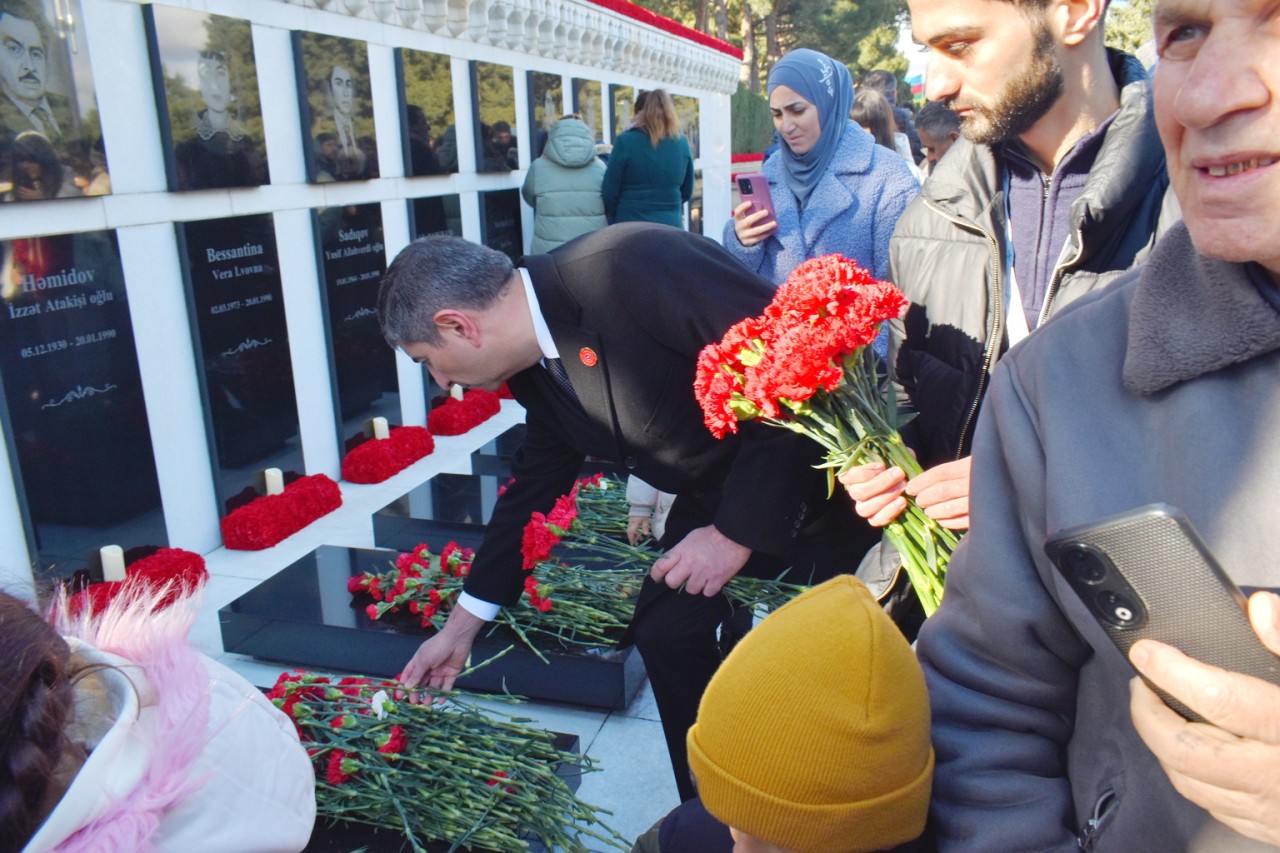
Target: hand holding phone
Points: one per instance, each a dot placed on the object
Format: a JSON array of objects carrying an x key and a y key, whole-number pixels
[
  {"x": 755, "y": 217},
  {"x": 1147, "y": 574}
]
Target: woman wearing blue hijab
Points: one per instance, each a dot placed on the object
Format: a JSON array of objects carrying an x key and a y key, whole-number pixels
[{"x": 834, "y": 190}]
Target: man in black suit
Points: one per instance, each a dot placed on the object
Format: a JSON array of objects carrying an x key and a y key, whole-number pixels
[
  {"x": 24, "y": 102},
  {"x": 599, "y": 341}
]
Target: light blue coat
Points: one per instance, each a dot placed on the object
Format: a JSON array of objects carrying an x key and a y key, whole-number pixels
[{"x": 852, "y": 211}]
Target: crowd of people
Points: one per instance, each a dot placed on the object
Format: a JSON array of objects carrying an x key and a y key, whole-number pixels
[{"x": 1092, "y": 267}]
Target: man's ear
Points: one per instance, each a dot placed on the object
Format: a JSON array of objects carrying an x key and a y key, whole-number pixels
[
  {"x": 456, "y": 325},
  {"x": 1075, "y": 20}
]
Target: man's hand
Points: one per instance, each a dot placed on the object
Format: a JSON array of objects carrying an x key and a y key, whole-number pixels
[
  {"x": 704, "y": 561},
  {"x": 942, "y": 492},
  {"x": 751, "y": 228},
  {"x": 1230, "y": 767},
  {"x": 439, "y": 659},
  {"x": 639, "y": 527}
]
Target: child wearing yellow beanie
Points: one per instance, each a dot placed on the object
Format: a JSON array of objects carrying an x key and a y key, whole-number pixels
[{"x": 813, "y": 736}]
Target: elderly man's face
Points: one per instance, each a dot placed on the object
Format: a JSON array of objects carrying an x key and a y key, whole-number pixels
[
  {"x": 1217, "y": 103},
  {"x": 22, "y": 59},
  {"x": 343, "y": 87}
]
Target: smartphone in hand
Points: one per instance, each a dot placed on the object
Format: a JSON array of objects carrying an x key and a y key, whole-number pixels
[
  {"x": 754, "y": 187},
  {"x": 1145, "y": 573}
]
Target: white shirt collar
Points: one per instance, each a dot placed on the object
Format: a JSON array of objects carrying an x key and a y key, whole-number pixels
[{"x": 545, "y": 342}]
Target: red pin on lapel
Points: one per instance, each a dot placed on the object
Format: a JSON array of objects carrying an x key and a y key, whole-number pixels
[{"x": 588, "y": 356}]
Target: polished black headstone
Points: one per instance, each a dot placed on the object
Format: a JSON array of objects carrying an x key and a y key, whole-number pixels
[
  {"x": 305, "y": 616},
  {"x": 546, "y": 105},
  {"x": 361, "y": 365},
  {"x": 687, "y": 111},
  {"x": 426, "y": 101},
  {"x": 245, "y": 370},
  {"x": 73, "y": 410},
  {"x": 622, "y": 108},
  {"x": 439, "y": 214},
  {"x": 336, "y": 107},
  {"x": 493, "y": 90},
  {"x": 494, "y": 456},
  {"x": 588, "y": 103},
  {"x": 500, "y": 222}
]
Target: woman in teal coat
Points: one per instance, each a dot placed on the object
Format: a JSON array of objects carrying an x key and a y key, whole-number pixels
[{"x": 650, "y": 173}]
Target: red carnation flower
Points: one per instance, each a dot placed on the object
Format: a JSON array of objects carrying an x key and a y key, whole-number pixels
[
  {"x": 334, "y": 774},
  {"x": 397, "y": 741},
  {"x": 537, "y": 541}
]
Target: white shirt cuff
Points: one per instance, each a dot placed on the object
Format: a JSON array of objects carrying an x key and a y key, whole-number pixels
[{"x": 483, "y": 609}]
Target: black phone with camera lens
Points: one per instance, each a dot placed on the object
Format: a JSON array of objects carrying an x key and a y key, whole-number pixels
[{"x": 1146, "y": 573}]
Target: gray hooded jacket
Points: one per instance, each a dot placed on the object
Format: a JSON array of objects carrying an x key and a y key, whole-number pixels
[{"x": 563, "y": 187}]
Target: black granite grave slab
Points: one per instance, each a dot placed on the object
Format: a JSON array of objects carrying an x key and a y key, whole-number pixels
[
  {"x": 341, "y": 836},
  {"x": 447, "y": 507},
  {"x": 304, "y": 616},
  {"x": 494, "y": 457},
  {"x": 72, "y": 408}
]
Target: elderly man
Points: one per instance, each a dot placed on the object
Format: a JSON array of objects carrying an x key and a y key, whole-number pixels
[
  {"x": 938, "y": 128},
  {"x": 24, "y": 70},
  {"x": 1163, "y": 387},
  {"x": 599, "y": 341}
]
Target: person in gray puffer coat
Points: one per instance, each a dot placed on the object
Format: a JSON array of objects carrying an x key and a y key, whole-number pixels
[{"x": 563, "y": 186}]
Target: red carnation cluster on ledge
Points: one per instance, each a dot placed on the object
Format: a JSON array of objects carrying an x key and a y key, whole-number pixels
[
  {"x": 378, "y": 459},
  {"x": 180, "y": 573},
  {"x": 457, "y": 416},
  {"x": 640, "y": 13},
  {"x": 266, "y": 520}
]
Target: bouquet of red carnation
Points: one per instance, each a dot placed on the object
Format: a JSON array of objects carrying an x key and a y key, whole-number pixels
[
  {"x": 454, "y": 417},
  {"x": 173, "y": 571},
  {"x": 377, "y": 459},
  {"x": 265, "y": 521},
  {"x": 452, "y": 772},
  {"x": 806, "y": 365}
]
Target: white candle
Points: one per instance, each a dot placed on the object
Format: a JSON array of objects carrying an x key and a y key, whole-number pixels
[
  {"x": 380, "y": 429},
  {"x": 455, "y": 391},
  {"x": 274, "y": 481},
  {"x": 112, "y": 562}
]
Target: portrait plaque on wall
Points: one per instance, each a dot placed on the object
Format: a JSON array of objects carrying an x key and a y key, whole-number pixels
[
  {"x": 426, "y": 103},
  {"x": 622, "y": 108},
  {"x": 236, "y": 303},
  {"x": 74, "y": 413},
  {"x": 493, "y": 89},
  {"x": 206, "y": 86},
  {"x": 50, "y": 138},
  {"x": 337, "y": 110},
  {"x": 694, "y": 223},
  {"x": 440, "y": 214},
  {"x": 587, "y": 103},
  {"x": 687, "y": 111},
  {"x": 361, "y": 365},
  {"x": 500, "y": 222},
  {"x": 546, "y": 104}
]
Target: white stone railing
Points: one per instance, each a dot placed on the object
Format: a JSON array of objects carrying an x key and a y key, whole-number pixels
[{"x": 569, "y": 30}]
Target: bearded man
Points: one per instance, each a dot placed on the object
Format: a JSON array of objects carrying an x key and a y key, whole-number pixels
[{"x": 1057, "y": 186}]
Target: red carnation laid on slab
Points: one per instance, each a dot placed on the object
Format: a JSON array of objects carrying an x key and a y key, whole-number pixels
[
  {"x": 378, "y": 459},
  {"x": 267, "y": 520},
  {"x": 458, "y": 416}
]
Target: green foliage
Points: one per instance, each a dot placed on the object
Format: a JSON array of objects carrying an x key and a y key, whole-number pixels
[
  {"x": 879, "y": 51},
  {"x": 837, "y": 27},
  {"x": 1129, "y": 25},
  {"x": 496, "y": 93},
  {"x": 428, "y": 84},
  {"x": 750, "y": 124}
]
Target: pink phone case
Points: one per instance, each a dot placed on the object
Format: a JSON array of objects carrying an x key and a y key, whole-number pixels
[{"x": 754, "y": 187}]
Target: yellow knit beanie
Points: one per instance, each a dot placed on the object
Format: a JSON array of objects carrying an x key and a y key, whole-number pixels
[{"x": 814, "y": 733}]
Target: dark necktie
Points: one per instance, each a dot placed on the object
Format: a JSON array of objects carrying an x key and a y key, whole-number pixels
[
  {"x": 561, "y": 378},
  {"x": 45, "y": 119}
]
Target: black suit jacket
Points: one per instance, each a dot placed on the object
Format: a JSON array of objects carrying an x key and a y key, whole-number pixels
[{"x": 630, "y": 307}]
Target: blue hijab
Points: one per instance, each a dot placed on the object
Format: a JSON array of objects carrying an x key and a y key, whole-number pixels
[{"x": 826, "y": 84}]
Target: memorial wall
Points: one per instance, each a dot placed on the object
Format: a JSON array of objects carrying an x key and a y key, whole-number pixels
[{"x": 198, "y": 200}]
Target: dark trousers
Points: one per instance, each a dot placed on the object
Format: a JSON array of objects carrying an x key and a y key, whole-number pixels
[{"x": 683, "y": 638}]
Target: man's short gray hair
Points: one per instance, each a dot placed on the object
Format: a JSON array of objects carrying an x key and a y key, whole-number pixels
[{"x": 432, "y": 274}]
